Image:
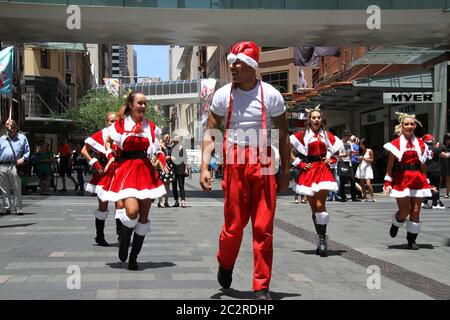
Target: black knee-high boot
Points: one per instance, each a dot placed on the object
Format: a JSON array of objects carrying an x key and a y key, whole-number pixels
[
  {"x": 118, "y": 228},
  {"x": 100, "y": 228},
  {"x": 411, "y": 237},
  {"x": 138, "y": 241},
  {"x": 125, "y": 238},
  {"x": 317, "y": 231},
  {"x": 394, "y": 229},
  {"x": 323, "y": 246}
]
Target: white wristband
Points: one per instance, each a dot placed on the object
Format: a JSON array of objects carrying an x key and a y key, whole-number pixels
[
  {"x": 296, "y": 162},
  {"x": 93, "y": 160},
  {"x": 387, "y": 178},
  {"x": 108, "y": 152}
]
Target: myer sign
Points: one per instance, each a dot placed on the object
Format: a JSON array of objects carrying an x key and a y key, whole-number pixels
[{"x": 411, "y": 97}]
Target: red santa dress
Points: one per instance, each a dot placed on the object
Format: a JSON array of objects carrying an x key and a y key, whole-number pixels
[
  {"x": 407, "y": 179},
  {"x": 135, "y": 176},
  {"x": 97, "y": 143},
  {"x": 313, "y": 147}
]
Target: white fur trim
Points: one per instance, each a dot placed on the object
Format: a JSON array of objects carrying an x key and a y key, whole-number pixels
[
  {"x": 93, "y": 160},
  {"x": 397, "y": 223},
  {"x": 338, "y": 144},
  {"x": 231, "y": 58},
  {"x": 310, "y": 191},
  {"x": 133, "y": 193},
  {"x": 101, "y": 215},
  {"x": 127, "y": 222},
  {"x": 95, "y": 145},
  {"x": 298, "y": 145},
  {"x": 119, "y": 213},
  {"x": 392, "y": 149},
  {"x": 90, "y": 188},
  {"x": 296, "y": 162},
  {"x": 413, "y": 227},
  {"x": 322, "y": 217},
  {"x": 419, "y": 193},
  {"x": 109, "y": 151},
  {"x": 387, "y": 178},
  {"x": 142, "y": 228}
]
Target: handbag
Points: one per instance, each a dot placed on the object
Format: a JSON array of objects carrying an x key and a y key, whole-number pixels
[
  {"x": 21, "y": 170},
  {"x": 187, "y": 171},
  {"x": 344, "y": 170}
]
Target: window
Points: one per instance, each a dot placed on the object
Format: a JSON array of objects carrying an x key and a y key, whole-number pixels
[
  {"x": 278, "y": 79},
  {"x": 45, "y": 59},
  {"x": 265, "y": 49}
]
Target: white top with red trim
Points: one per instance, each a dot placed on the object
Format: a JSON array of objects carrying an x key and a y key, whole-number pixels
[
  {"x": 302, "y": 139},
  {"x": 246, "y": 113},
  {"x": 97, "y": 140},
  {"x": 398, "y": 147},
  {"x": 120, "y": 131}
]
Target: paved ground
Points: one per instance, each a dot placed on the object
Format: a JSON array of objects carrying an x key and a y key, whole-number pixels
[{"x": 40, "y": 251}]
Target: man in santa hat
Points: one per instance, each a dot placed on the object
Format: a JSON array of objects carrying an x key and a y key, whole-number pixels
[{"x": 247, "y": 106}]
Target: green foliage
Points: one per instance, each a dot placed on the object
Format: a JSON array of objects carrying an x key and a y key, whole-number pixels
[{"x": 89, "y": 116}]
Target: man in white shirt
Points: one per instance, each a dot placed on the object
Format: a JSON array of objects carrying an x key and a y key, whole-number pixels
[{"x": 247, "y": 106}]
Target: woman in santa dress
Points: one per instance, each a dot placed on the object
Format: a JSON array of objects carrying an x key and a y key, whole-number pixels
[
  {"x": 316, "y": 146},
  {"x": 101, "y": 177},
  {"x": 135, "y": 180},
  {"x": 406, "y": 178}
]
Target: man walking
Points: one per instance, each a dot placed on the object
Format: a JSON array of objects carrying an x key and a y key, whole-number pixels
[
  {"x": 14, "y": 151},
  {"x": 247, "y": 105}
]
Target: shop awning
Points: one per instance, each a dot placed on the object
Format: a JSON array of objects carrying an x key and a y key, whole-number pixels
[
  {"x": 57, "y": 46},
  {"x": 399, "y": 55}
]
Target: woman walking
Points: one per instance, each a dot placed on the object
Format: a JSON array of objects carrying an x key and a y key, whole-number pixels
[
  {"x": 317, "y": 145},
  {"x": 408, "y": 181},
  {"x": 168, "y": 177},
  {"x": 101, "y": 177},
  {"x": 136, "y": 181},
  {"x": 364, "y": 172}
]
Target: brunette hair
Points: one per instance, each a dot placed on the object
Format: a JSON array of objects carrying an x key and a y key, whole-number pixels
[
  {"x": 324, "y": 121},
  {"x": 126, "y": 109}
]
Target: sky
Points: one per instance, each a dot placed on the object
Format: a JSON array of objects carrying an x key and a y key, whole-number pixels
[{"x": 153, "y": 61}]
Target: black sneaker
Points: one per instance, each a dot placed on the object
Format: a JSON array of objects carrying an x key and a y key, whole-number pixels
[
  {"x": 224, "y": 277},
  {"x": 262, "y": 294}
]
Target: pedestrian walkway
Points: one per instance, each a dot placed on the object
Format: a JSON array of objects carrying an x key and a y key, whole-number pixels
[{"x": 40, "y": 249}]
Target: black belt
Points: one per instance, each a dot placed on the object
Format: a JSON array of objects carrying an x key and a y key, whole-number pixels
[
  {"x": 314, "y": 158},
  {"x": 411, "y": 167},
  {"x": 133, "y": 155}
]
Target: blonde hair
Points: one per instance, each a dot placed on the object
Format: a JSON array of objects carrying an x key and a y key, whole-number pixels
[
  {"x": 108, "y": 114},
  {"x": 316, "y": 109},
  {"x": 401, "y": 120}
]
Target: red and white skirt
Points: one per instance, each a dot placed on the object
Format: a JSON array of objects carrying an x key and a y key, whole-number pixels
[
  {"x": 92, "y": 185},
  {"x": 134, "y": 178},
  {"x": 410, "y": 183},
  {"x": 319, "y": 177}
]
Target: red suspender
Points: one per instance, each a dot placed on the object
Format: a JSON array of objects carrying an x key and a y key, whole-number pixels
[{"x": 227, "y": 125}]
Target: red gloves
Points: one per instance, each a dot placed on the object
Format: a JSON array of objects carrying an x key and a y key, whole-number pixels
[
  {"x": 387, "y": 181},
  {"x": 95, "y": 164}
]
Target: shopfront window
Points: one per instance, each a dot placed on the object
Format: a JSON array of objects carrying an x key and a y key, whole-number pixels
[{"x": 278, "y": 79}]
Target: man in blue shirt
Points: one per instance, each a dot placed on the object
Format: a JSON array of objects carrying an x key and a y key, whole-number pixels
[{"x": 14, "y": 150}]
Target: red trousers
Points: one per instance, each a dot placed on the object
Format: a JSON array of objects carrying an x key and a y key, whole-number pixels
[{"x": 248, "y": 194}]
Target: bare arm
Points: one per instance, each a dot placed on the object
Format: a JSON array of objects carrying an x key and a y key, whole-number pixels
[
  {"x": 281, "y": 123},
  {"x": 208, "y": 145}
]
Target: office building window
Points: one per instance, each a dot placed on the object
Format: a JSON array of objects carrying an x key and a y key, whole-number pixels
[
  {"x": 45, "y": 59},
  {"x": 278, "y": 79}
]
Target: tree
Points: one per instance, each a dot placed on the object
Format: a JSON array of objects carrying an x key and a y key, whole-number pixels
[{"x": 89, "y": 116}]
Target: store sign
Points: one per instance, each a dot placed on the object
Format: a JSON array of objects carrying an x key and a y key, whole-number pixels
[
  {"x": 410, "y": 109},
  {"x": 411, "y": 97},
  {"x": 369, "y": 118}
]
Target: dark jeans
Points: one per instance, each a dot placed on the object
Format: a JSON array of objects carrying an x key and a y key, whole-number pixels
[
  {"x": 434, "y": 181},
  {"x": 342, "y": 182},
  {"x": 179, "y": 180},
  {"x": 80, "y": 179}
]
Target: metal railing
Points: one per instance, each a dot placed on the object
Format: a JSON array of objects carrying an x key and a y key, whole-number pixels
[{"x": 261, "y": 4}]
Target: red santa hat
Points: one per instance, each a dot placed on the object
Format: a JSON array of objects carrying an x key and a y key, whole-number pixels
[
  {"x": 247, "y": 52},
  {"x": 427, "y": 137}
]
